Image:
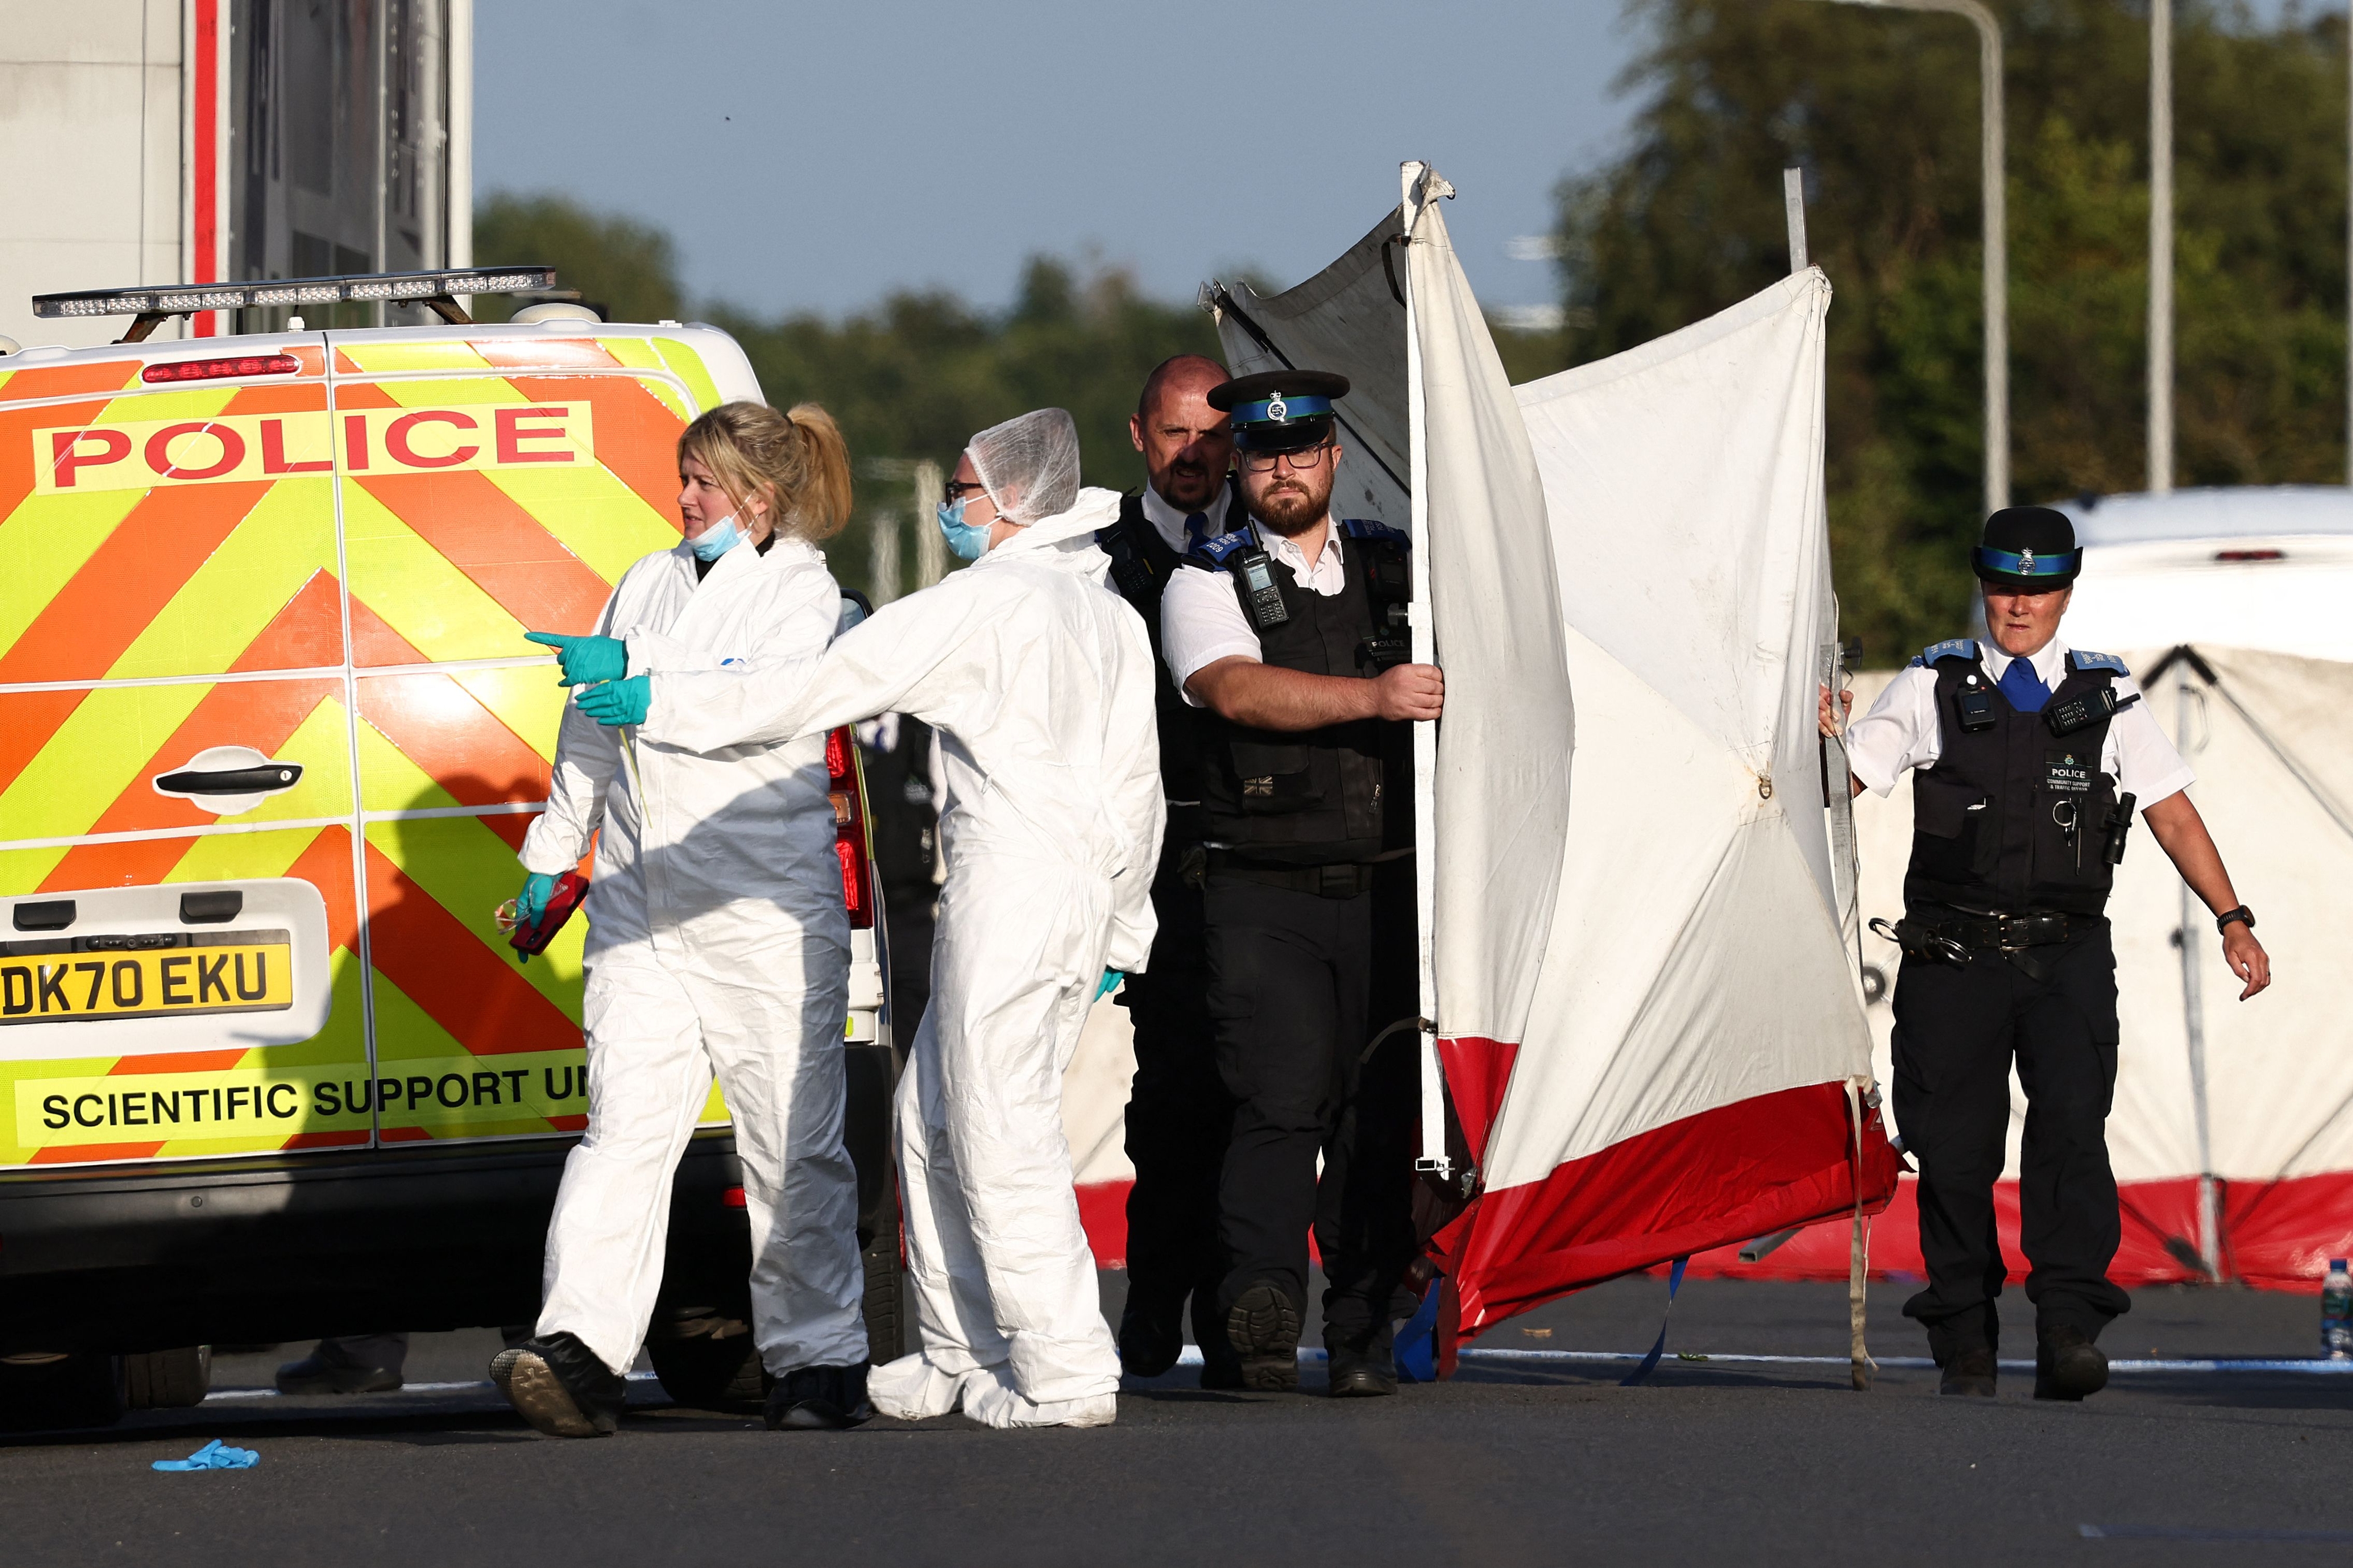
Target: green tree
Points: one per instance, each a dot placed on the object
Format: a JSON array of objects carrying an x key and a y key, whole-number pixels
[
  {"x": 1880, "y": 110},
  {"x": 628, "y": 270}
]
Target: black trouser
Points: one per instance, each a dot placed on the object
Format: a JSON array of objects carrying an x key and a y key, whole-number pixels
[
  {"x": 1956, "y": 1029},
  {"x": 909, "y": 914},
  {"x": 1299, "y": 984},
  {"x": 1179, "y": 1113}
]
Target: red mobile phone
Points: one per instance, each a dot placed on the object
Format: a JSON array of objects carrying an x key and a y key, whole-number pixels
[{"x": 532, "y": 936}]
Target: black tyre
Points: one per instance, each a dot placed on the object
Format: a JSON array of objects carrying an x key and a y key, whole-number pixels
[
  {"x": 708, "y": 1361},
  {"x": 168, "y": 1379},
  {"x": 40, "y": 1393}
]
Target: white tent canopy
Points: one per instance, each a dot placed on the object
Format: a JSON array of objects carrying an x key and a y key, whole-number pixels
[{"x": 1646, "y": 1015}]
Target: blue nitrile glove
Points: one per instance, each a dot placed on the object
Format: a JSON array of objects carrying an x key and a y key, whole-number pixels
[
  {"x": 214, "y": 1456},
  {"x": 531, "y": 903},
  {"x": 1111, "y": 977},
  {"x": 585, "y": 659},
  {"x": 619, "y": 701}
]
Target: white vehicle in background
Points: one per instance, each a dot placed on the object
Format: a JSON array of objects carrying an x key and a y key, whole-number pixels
[{"x": 2268, "y": 569}]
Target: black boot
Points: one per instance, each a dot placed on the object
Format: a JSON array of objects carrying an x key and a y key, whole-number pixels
[
  {"x": 1151, "y": 1335},
  {"x": 561, "y": 1388},
  {"x": 1362, "y": 1374},
  {"x": 2068, "y": 1365},
  {"x": 820, "y": 1399},
  {"x": 1970, "y": 1373},
  {"x": 1262, "y": 1325}
]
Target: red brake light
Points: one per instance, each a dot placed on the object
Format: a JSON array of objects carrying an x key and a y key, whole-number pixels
[
  {"x": 732, "y": 1197},
  {"x": 213, "y": 369},
  {"x": 2236, "y": 555},
  {"x": 848, "y": 796}
]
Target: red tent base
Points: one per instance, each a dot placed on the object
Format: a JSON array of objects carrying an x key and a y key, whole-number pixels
[{"x": 2278, "y": 1236}]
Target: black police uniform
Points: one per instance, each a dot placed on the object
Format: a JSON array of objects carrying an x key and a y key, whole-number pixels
[
  {"x": 1311, "y": 943},
  {"x": 2007, "y": 954},
  {"x": 1178, "y": 1112},
  {"x": 905, "y": 828}
]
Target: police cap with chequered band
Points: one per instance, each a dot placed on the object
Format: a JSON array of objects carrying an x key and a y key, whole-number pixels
[
  {"x": 2027, "y": 549},
  {"x": 1280, "y": 410}
]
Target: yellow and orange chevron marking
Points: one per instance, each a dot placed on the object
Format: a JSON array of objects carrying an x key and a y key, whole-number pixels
[{"x": 241, "y": 577}]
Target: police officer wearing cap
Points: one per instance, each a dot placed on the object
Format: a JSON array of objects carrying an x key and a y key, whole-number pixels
[
  {"x": 2026, "y": 758},
  {"x": 1288, "y": 634},
  {"x": 1177, "y": 1112}
]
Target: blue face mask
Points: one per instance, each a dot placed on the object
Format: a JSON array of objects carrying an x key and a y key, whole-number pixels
[
  {"x": 717, "y": 540},
  {"x": 967, "y": 540}
]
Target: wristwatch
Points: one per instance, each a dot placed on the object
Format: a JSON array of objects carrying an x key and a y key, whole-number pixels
[{"x": 2222, "y": 921}]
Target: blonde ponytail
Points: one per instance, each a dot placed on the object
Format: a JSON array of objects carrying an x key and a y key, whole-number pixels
[{"x": 797, "y": 462}]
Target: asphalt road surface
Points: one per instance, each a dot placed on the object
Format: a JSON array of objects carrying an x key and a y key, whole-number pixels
[{"x": 1710, "y": 1462}]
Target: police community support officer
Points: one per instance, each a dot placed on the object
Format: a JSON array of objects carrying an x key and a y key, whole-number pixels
[
  {"x": 2028, "y": 756},
  {"x": 1178, "y": 1112},
  {"x": 1288, "y": 633}
]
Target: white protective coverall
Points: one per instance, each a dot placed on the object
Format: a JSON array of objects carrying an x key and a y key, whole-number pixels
[
  {"x": 1040, "y": 682},
  {"x": 717, "y": 940}
]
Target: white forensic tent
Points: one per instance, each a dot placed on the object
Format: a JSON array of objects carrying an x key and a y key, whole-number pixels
[{"x": 1650, "y": 1028}]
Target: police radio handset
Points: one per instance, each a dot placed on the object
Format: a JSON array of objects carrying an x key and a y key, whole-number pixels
[
  {"x": 2119, "y": 824},
  {"x": 2081, "y": 712},
  {"x": 1256, "y": 570}
]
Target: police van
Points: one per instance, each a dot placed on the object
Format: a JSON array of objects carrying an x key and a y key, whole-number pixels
[{"x": 269, "y": 738}]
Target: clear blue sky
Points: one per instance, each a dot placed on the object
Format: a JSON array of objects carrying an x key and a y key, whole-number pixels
[{"x": 815, "y": 156}]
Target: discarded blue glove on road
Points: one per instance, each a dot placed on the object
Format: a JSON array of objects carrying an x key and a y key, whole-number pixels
[
  {"x": 619, "y": 701},
  {"x": 214, "y": 1456}
]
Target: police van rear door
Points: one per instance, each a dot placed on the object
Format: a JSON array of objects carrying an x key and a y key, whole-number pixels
[
  {"x": 493, "y": 480},
  {"x": 178, "y": 956}
]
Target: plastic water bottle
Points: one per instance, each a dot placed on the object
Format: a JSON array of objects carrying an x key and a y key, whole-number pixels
[{"x": 2336, "y": 1312}]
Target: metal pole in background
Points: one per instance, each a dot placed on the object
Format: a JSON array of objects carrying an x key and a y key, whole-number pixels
[
  {"x": 1991, "y": 157},
  {"x": 2193, "y": 1016},
  {"x": 1793, "y": 206},
  {"x": 2160, "y": 247},
  {"x": 931, "y": 546}
]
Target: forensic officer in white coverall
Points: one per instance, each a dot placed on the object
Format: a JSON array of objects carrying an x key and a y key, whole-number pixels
[
  {"x": 1039, "y": 680},
  {"x": 717, "y": 944}
]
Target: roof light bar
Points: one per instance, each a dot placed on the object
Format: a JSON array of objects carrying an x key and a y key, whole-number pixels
[
  {"x": 393, "y": 286},
  {"x": 213, "y": 369}
]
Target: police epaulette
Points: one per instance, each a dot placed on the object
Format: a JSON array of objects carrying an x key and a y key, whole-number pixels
[
  {"x": 1956, "y": 648},
  {"x": 1365, "y": 528},
  {"x": 1213, "y": 551},
  {"x": 2083, "y": 660}
]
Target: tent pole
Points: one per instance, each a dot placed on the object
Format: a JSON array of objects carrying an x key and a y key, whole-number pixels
[
  {"x": 1433, "y": 1159},
  {"x": 2193, "y": 1020}
]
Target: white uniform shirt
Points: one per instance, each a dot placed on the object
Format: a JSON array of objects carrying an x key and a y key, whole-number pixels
[
  {"x": 1902, "y": 730},
  {"x": 1169, "y": 523},
  {"x": 1202, "y": 616}
]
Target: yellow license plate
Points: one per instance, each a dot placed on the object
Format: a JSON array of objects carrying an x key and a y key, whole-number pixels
[{"x": 146, "y": 977}]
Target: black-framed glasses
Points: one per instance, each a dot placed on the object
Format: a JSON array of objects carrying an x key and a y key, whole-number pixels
[
  {"x": 956, "y": 488},
  {"x": 1299, "y": 462}
]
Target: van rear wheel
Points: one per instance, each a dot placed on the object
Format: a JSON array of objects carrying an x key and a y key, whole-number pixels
[
  {"x": 708, "y": 1361},
  {"x": 79, "y": 1390},
  {"x": 168, "y": 1379}
]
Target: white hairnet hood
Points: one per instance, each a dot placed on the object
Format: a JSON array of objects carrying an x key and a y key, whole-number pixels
[{"x": 1030, "y": 465}]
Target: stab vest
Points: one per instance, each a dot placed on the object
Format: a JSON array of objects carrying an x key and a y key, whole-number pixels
[
  {"x": 1141, "y": 565},
  {"x": 1331, "y": 797},
  {"x": 1991, "y": 822}
]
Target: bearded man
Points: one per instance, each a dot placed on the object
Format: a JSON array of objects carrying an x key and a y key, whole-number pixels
[{"x": 1288, "y": 634}]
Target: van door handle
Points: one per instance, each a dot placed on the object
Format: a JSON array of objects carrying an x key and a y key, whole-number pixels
[
  {"x": 228, "y": 781},
  {"x": 266, "y": 779}
]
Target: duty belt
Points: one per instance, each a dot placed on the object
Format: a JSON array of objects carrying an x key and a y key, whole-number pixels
[
  {"x": 1343, "y": 881},
  {"x": 1953, "y": 937}
]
